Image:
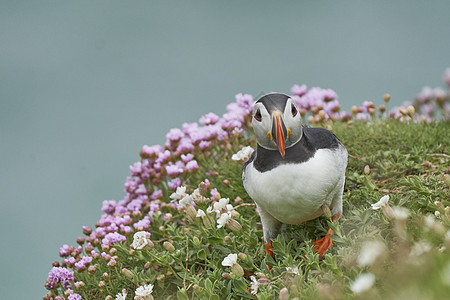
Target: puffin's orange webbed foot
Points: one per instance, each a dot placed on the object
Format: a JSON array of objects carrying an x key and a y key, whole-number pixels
[
  {"x": 269, "y": 246},
  {"x": 322, "y": 245},
  {"x": 325, "y": 243}
]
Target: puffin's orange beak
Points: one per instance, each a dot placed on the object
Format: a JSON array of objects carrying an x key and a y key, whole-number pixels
[
  {"x": 280, "y": 135},
  {"x": 279, "y": 132}
]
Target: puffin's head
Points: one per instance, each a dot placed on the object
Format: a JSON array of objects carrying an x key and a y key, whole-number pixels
[{"x": 277, "y": 122}]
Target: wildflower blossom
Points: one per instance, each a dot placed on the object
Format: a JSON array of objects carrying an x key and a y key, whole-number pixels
[
  {"x": 419, "y": 249},
  {"x": 143, "y": 224},
  {"x": 140, "y": 240},
  {"x": 384, "y": 205},
  {"x": 185, "y": 201},
  {"x": 64, "y": 250},
  {"x": 229, "y": 260},
  {"x": 192, "y": 165},
  {"x": 83, "y": 263},
  {"x": 209, "y": 119},
  {"x": 187, "y": 158},
  {"x": 108, "y": 206},
  {"x": 74, "y": 296},
  {"x": 243, "y": 154},
  {"x": 222, "y": 221},
  {"x": 400, "y": 213},
  {"x": 121, "y": 296},
  {"x": 174, "y": 134},
  {"x": 362, "y": 283},
  {"x": 200, "y": 213},
  {"x": 173, "y": 170},
  {"x": 112, "y": 238},
  {"x": 254, "y": 285},
  {"x": 59, "y": 275},
  {"x": 144, "y": 291},
  {"x": 179, "y": 194},
  {"x": 221, "y": 204},
  {"x": 299, "y": 90},
  {"x": 370, "y": 252},
  {"x": 293, "y": 270}
]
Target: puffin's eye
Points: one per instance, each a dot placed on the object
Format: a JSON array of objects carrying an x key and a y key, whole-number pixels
[
  {"x": 293, "y": 110},
  {"x": 258, "y": 116}
]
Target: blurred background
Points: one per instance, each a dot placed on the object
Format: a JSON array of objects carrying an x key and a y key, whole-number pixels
[{"x": 84, "y": 84}]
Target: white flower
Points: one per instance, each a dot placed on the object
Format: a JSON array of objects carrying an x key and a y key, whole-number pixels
[
  {"x": 200, "y": 213},
  {"x": 121, "y": 296},
  {"x": 179, "y": 194},
  {"x": 139, "y": 240},
  {"x": 223, "y": 219},
  {"x": 254, "y": 285},
  {"x": 400, "y": 213},
  {"x": 209, "y": 210},
  {"x": 230, "y": 260},
  {"x": 221, "y": 204},
  {"x": 229, "y": 207},
  {"x": 370, "y": 251},
  {"x": 293, "y": 270},
  {"x": 382, "y": 202},
  {"x": 144, "y": 290},
  {"x": 363, "y": 283},
  {"x": 430, "y": 221},
  {"x": 185, "y": 201},
  {"x": 196, "y": 195},
  {"x": 243, "y": 154},
  {"x": 420, "y": 248}
]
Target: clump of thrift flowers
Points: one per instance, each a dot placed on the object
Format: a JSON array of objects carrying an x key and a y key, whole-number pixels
[{"x": 185, "y": 226}]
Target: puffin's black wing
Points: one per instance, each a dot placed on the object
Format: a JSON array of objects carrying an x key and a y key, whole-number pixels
[{"x": 321, "y": 138}]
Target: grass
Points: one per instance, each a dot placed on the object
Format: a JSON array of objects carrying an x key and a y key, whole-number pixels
[{"x": 407, "y": 161}]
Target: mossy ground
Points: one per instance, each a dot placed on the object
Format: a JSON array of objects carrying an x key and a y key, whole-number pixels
[{"x": 408, "y": 162}]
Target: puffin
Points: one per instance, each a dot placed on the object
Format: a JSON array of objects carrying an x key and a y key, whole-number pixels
[{"x": 296, "y": 173}]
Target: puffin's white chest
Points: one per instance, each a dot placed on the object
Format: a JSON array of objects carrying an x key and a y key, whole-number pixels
[{"x": 294, "y": 193}]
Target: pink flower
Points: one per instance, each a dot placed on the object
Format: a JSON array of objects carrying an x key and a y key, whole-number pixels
[
  {"x": 299, "y": 90},
  {"x": 185, "y": 146},
  {"x": 245, "y": 101},
  {"x": 203, "y": 145},
  {"x": 141, "y": 190},
  {"x": 173, "y": 170},
  {"x": 186, "y": 158},
  {"x": 136, "y": 168},
  {"x": 151, "y": 151},
  {"x": 174, "y": 183},
  {"x": 209, "y": 119},
  {"x": 64, "y": 251},
  {"x": 192, "y": 165},
  {"x": 108, "y": 206},
  {"x": 174, "y": 135},
  {"x": 112, "y": 238},
  {"x": 156, "y": 194}
]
